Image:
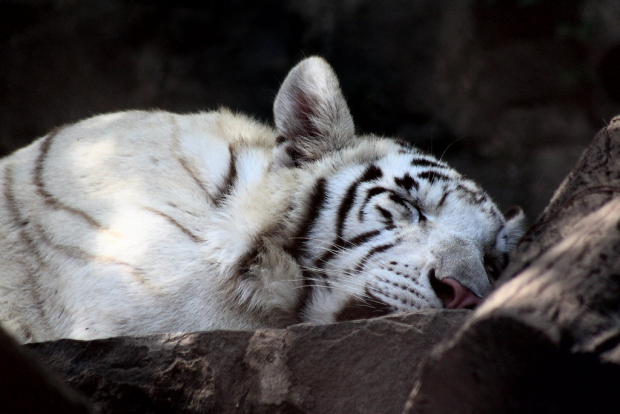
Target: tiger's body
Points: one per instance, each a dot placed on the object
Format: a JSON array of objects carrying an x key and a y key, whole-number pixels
[{"x": 142, "y": 222}]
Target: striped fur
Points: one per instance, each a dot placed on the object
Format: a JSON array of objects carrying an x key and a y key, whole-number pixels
[{"x": 141, "y": 222}]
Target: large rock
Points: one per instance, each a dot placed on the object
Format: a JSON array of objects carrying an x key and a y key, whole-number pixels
[
  {"x": 548, "y": 340},
  {"x": 354, "y": 367}
]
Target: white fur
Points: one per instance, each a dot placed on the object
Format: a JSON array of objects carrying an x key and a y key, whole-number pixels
[{"x": 123, "y": 224}]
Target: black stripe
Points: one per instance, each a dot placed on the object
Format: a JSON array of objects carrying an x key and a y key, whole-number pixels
[
  {"x": 424, "y": 162},
  {"x": 345, "y": 207},
  {"x": 39, "y": 231},
  {"x": 398, "y": 199},
  {"x": 371, "y": 193},
  {"x": 445, "y": 195},
  {"x": 315, "y": 204},
  {"x": 363, "y": 238},
  {"x": 386, "y": 215},
  {"x": 433, "y": 176},
  {"x": 334, "y": 247},
  {"x": 77, "y": 253},
  {"x": 406, "y": 182},
  {"x": 341, "y": 244},
  {"x": 229, "y": 182},
  {"x": 375, "y": 191},
  {"x": 371, "y": 173},
  {"x": 372, "y": 252},
  {"x": 395, "y": 197}
]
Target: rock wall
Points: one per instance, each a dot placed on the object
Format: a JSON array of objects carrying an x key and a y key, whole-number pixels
[
  {"x": 508, "y": 91},
  {"x": 355, "y": 367}
]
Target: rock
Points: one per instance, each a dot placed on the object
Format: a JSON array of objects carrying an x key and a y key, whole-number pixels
[
  {"x": 353, "y": 367},
  {"x": 28, "y": 387},
  {"x": 548, "y": 340}
]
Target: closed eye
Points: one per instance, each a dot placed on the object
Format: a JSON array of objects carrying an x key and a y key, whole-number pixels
[
  {"x": 413, "y": 210},
  {"x": 390, "y": 206}
]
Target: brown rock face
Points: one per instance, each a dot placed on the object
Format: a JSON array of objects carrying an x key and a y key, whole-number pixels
[
  {"x": 548, "y": 340},
  {"x": 354, "y": 367}
]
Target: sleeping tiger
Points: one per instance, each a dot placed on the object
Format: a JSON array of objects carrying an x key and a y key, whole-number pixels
[{"x": 145, "y": 222}]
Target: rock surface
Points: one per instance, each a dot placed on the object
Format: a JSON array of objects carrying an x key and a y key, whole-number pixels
[
  {"x": 548, "y": 340},
  {"x": 353, "y": 367}
]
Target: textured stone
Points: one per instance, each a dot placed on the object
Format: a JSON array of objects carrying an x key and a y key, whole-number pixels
[
  {"x": 364, "y": 366},
  {"x": 548, "y": 340}
]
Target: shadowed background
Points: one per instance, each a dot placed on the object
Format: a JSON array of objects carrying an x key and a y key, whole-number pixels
[{"x": 509, "y": 92}]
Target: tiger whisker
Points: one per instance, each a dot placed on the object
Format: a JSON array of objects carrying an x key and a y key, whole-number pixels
[{"x": 320, "y": 282}]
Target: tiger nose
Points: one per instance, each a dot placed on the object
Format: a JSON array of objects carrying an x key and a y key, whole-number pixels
[{"x": 453, "y": 294}]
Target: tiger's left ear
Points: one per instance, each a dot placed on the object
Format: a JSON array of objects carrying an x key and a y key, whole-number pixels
[
  {"x": 311, "y": 115},
  {"x": 514, "y": 225}
]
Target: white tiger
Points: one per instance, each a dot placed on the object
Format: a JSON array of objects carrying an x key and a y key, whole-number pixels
[{"x": 142, "y": 222}]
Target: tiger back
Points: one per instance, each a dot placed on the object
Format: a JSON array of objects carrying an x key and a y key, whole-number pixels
[{"x": 143, "y": 222}]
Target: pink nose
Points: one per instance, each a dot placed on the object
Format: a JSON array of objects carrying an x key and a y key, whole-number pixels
[{"x": 458, "y": 296}]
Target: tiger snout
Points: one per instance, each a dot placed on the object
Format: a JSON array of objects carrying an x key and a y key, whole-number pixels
[{"x": 453, "y": 294}]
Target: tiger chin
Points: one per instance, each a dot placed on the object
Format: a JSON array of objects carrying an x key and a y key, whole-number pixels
[{"x": 142, "y": 222}]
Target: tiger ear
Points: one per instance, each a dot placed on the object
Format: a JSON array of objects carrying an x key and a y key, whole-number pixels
[
  {"x": 514, "y": 225},
  {"x": 311, "y": 115}
]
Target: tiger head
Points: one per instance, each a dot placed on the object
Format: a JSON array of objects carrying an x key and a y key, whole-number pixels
[{"x": 383, "y": 227}]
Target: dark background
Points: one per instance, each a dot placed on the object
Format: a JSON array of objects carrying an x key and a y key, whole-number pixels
[{"x": 510, "y": 92}]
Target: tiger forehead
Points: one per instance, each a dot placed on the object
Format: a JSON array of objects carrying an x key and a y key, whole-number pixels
[
  {"x": 429, "y": 181},
  {"x": 414, "y": 170},
  {"x": 432, "y": 183}
]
